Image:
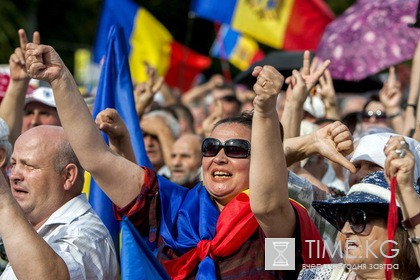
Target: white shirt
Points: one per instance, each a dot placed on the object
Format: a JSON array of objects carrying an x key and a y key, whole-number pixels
[
  {"x": 331, "y": 180},
  {"x": 78, "y": 236}
]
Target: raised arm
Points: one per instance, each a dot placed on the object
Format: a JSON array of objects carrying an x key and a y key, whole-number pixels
[
  {"x": 327, "y": 92},
  {"x": 107, "y": 168},
  {"x": 413, "y": 101},
  {"x": 145, "y": 92},
  {"x": 268, "y": 171},
  {"x": 110, "y": 123},
  {"x": 390, "y": 96},
  {"x": 296, "y": 95},
  {"x": 11, "y": 108},
  {"x": 300, "y": 84},
  {"x": 403, "y": 169},
  {"x": 200, "y": 91}
]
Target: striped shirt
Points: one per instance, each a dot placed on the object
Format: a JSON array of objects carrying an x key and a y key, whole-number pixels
[{"x": 78, "y": 236}]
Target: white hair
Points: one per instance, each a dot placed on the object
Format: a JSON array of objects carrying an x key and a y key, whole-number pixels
[{"x": 170, "y": 121}]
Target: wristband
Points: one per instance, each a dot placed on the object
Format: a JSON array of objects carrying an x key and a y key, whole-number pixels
[
  {"x": 414, "y": 240},
  {"x": 394, "y": 115},
  {"x": 409, "y": 223},
  {"x": 410, "y": 105}
]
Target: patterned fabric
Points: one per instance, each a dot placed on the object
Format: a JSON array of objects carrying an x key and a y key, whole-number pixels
[
  {"x": 324, "y": 272},
  {"x": 80, "y": 238},
  {"x": 369, "y": 37},
  {"x": 372, "y": 190},
  {"x": 305, "y": 193},
  {"x": 3, "y": 257},
  {"x": 246, "y": 263}
]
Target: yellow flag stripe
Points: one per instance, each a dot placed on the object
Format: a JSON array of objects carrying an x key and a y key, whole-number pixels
[
  {"x": 262, "y": 22},
  {"x": 243, "y": 53},
  {"x": 86, "y": 185},
  {"x": 150, "y": 42}
]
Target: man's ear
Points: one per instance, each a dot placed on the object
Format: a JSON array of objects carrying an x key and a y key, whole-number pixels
[
  {"x": 3, "y": 155},
  {"x": 70, "y": 174}
]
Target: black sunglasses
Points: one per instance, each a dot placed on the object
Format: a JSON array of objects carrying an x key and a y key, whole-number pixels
[
  {"x": 378, "y": 114},
  {"x": 234, "y": 148},
  {"x": 357, "y": 219}
]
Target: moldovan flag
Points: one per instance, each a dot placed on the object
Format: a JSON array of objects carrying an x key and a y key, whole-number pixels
[
  {"x": 149, "y": 41},
  {"x": 240, "y": 50},
  {"x": 281, "y": 24}
]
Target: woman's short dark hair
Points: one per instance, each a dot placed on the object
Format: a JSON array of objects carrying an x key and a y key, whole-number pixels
[
  {"x": 372, "y": 98},
  {"x": 245, "y": 119}
]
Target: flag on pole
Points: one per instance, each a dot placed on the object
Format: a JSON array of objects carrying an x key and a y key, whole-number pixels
[
  {"x": 287, "y": 24},
  {"x": 115, "y": 90},
  {"x": 238, "y": 49},
  {"x": 148, "y": 41}
]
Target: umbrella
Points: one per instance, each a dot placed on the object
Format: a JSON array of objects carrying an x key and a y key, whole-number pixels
[
  {"x": 369, "y": 37},
  {"x": 286, "y": 61}
]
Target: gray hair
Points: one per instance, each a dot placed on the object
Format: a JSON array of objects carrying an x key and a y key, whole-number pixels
[
  {"x": 170, "y": 121},
  {"x": 64, "y": 156},
  {"x": 4, "y": 141}
]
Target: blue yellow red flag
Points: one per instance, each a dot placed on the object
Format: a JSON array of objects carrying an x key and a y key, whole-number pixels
[
  {"x": 281, "y": 24},
  {"x": 148, "y": 41},
  {"x": 240, "y": 50}
]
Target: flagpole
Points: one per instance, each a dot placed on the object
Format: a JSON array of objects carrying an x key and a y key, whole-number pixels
[
  {"x": 187, "y": 41},
  {"x": 223, "y": 62}
]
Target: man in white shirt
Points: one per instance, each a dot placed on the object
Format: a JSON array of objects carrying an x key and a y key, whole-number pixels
[{"x": 48, "y": 228}]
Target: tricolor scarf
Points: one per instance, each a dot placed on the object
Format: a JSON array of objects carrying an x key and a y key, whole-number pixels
[{"x": 192, "y": 225}]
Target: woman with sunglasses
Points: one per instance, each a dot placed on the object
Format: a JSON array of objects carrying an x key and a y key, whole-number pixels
[
  {"x": 361, "y": 217},
  {"x": 215, "y": 230}
]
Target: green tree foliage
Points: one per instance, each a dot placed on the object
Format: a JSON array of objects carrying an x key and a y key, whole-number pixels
[{"x": 11, "y": 19}]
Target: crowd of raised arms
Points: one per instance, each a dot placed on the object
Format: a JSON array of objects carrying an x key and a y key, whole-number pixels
[{"x": 231, "y": 165}]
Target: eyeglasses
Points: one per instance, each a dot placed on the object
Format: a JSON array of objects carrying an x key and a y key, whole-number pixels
[
  {"x": 378, "y": 114},
  {"x": 234, "y": 148},
  {"x": 357, "y": 219}
]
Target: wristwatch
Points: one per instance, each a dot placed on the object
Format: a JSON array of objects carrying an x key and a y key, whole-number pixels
[
  {"x": 414, "y": 240},
  {"x": 411, "y": 222}
]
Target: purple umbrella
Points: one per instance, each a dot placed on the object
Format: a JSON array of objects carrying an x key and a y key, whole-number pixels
[{"x": 369, "y": 37}]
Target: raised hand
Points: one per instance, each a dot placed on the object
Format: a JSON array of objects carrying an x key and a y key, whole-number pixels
[
  {"x": 391, "y": 95},
  {"x": 110, "y": 122},
  {"x": 312, "y": 72},
  {"x": 43, "y": 62},
  {"x": 145, "y": 92},
  {"x": 296, "y": 91},
  {"x": 17, "y": 59},
  {"x": 267, "y": 87},
  {"x": 399, "y": 162}
]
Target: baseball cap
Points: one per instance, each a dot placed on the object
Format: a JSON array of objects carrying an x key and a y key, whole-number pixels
[{"x": 42, "y": 95}]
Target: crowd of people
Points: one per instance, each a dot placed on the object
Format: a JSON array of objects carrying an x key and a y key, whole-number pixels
[{"x": 246, "y": 163}]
